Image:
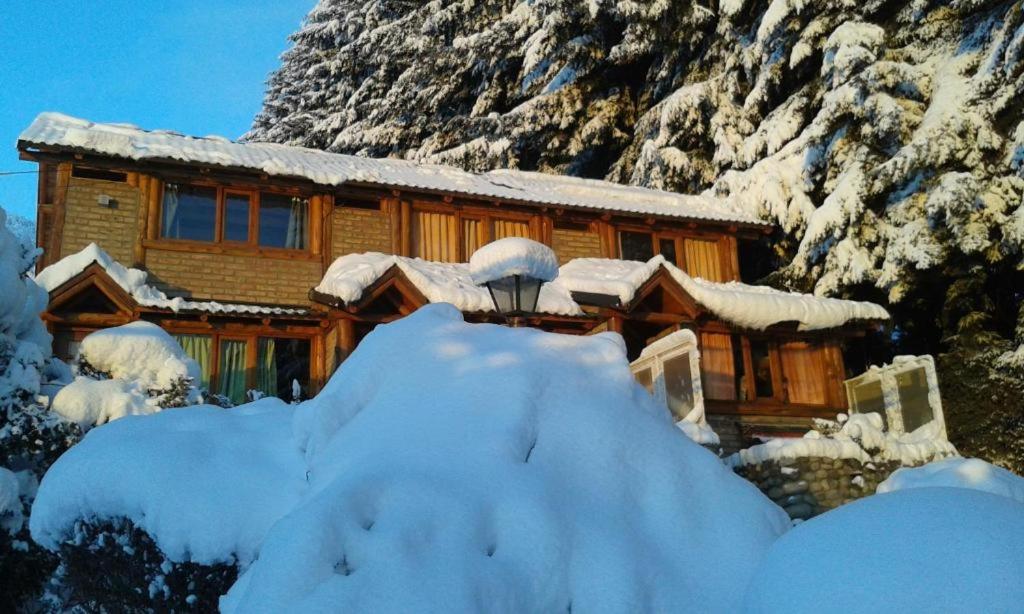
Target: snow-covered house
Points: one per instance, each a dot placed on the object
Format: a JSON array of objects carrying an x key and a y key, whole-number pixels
[{"x": 270, "y": 262}]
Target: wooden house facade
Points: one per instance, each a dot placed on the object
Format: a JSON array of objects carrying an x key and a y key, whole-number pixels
[{"x": 228, "y": 246}]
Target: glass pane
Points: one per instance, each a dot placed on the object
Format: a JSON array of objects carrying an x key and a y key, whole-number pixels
[
  {"x": 646, "y": 379},
  {"x": 231, "y": 374},
  {"x": 282, "y": 368},
  {"x": 868, "y": 398},
  {"x": 762, "y": 365},
  {"x": 470, "y": 237},
  {"x": 189, "y": 212},
  {"x": 636, "y": 246},
  {"x": 739, "y": 367},
  {"x": 509, "y": 228},
  {"x": 236, "y": 217},
  {"x": 667, "y": 247},
  {"x": 199, "y": 348},
  {"x": 679, "y": 384},
  {"x": 913, "y": 390},
  {"x": 283, "y": 221},
  {"x": 529, "y": 293}
]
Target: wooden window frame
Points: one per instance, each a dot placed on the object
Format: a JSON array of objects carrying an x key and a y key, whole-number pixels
[
  {"x": 251, "y": 339},
  {"x": 252, "y": 244},
  {"x": 678, "y": 237},
  {"x": 779, "y": 392}
]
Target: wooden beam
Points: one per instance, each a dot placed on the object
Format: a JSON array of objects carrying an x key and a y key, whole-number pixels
[{"x": 405, "y": 228}]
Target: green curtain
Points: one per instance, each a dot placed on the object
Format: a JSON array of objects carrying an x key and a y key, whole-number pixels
[
  {"x": 266, "y": 367},
  {"x": 231, "y": 374},
  {"x": 200, "y": 349}
]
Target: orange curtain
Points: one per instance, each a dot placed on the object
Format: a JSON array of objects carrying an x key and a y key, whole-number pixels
[
  {"x": 510, "y": 228},
  {"x": 716, "y": 366},
  {"x": 471, "y": 239},
  {"x": 803, "y": 366},
  {"x": 703, "y": 259},
  {"x": 434, "y": 236}
]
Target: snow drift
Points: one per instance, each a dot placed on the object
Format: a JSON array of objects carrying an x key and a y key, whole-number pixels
[
  {"x": 919, "y": 550},
  {"x": 469, "y": 467},
  {"x": 972, "y": 473}
]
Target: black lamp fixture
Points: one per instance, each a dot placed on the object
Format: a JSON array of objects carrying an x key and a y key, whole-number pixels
[
  {"x": 515, "y": 296},
  {"x": 513, "y": 270}
]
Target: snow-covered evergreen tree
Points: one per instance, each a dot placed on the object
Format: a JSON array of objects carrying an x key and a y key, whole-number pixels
[{"x": 884, "y": 137}]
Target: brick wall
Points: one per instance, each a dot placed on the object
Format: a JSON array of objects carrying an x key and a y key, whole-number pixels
[
  {"x": 569, "y": 244},
  {"x": 225, "y": 277},
  {"x": 114, "y": 228},
  {"x": 360, "y": 230}
]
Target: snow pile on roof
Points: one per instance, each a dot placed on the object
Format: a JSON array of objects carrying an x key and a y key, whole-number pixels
[
  {"x": 971, "y": 473},
  {"x": 126, "y": 141},
  {"x": 144, "y": 364},
  {"x": 133, "y": 281},
  {"x": 918, "y": 550},
  {"x": 859, "y": 434},
  {"x": 440, "y": 282},
  {"x": 753, "y": 307},
  {"x": 206, "y": 483},
  {"x": 445, "y": 465},
  {"x": 513, "y": 256},
  {"x": 140, "y": 351}
]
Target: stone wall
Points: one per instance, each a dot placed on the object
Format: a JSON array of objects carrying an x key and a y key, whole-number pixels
[
  {"x": 359, "y": 230},
  {"x": 808, "y": 486},
  {"x": 114, "y": 227},
  {"x": 569, "y": 244},
  {"x": 226, "y": 277}
]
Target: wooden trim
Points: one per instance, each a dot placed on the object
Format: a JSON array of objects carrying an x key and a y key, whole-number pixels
[
  {"x": 405, "y": 228},
  {"x": 230, "y": 249},
  {"x": 327, "y": 231},
  {"x": 59, "y": 211},
  {"x": 746, "y": 408}
]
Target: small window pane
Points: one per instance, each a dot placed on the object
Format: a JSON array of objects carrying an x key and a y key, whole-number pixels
[
  {"x": 236, "y": 217},
  {"x": 667, "y": 247},
  {"x": 646, "y": 379},
  {"x": 189, "y": 212},
  {"x": 281, "y": 365},
  {"x": 636, "y": 246},
  {"x": 762, "y": 365},
  {"x": 199, "y": 348},
  {"x": 739, "y": 367},
  {"x": 679, "y": 385},
  {"x": 283, "y": 221},
  {"x": 913, "y": 390},
  {"x": 868, "y": 398}
]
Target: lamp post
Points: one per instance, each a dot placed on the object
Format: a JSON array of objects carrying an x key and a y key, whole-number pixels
[{"x": 513, "y": 270}]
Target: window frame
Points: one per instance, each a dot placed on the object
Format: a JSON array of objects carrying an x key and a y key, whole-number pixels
[
  {"x": 678, "y": 237},
  {"x": 656, "y": 365},
  {"x": 252, "y": 243}
]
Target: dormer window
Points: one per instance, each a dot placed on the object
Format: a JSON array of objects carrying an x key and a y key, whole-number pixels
[{"x": 234, "y": 217}]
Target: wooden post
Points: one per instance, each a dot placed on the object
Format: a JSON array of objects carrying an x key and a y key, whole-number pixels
[
  {"x": 346, "y": 339},
  {"x": 141, "y": 218},
  {"x": 316, "y": 225},
  {"x": 405, "y": 228},
  {"x": 327, "y": 241},
  {"x": 152, "y": 195},
  {"x": 59, "y": 211}
]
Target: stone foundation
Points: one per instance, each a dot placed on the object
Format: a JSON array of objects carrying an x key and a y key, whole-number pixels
[{"x": 808, "y": 486}]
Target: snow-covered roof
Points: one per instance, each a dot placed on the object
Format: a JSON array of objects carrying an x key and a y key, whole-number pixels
[
  {"x": 744, "y": 305},
  {"x": 440, "y": 282},
  {"x": 133, "y": 281},
  {"x": 332, "y": 169}
]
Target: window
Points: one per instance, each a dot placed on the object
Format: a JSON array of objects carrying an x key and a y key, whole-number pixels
[
  {"x": 232, "y": 365},
  {"x": 703, "y": 259},
  {"x": 679, "y": 384},
  {"x": 717, "y": 366},
  {"x": 244, "y": 217},
  {"x": 444, "y": 236},
  {"x": 803, "y": 368},
  {"x": 905, "y": 393},
  {"x": 189, "y": 212},
  {"x": 912, "y": 386},
  {"x": 672, "y": 375},
  {"x": 85, "y": 172},
  {"x": 636, "y": 245},
  {"x": 761, "y": 364}
]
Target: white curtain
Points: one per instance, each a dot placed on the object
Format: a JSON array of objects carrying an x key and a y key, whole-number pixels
[
  {"x": 296, "y": 237},
  {"x": 171, "y": 229}
]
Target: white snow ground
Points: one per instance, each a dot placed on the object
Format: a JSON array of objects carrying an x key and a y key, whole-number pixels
[
  {"x": 972, "y": 473},
  {"x": 445, "y": 465}
]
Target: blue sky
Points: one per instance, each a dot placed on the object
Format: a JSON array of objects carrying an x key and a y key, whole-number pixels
[{"x": 197, "y": 67}]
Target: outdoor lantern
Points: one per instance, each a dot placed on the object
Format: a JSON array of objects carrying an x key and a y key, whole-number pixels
[
  {"x": 515, "y": 295},
  {"x": 513, "y": 270}
]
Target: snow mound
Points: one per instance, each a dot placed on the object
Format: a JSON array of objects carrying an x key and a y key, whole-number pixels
[
  {"x": 859, "y": 434},
  {"x": 972, "y": 473},
  {"x": 140, "y": 351},
  {"x": 918, "y": 550},
  {"x": 89, "y": 402},
  {"x": 482, "y": 468},
  {"x": 206, "y": 483},
  {"x": 513, "y": 256}
]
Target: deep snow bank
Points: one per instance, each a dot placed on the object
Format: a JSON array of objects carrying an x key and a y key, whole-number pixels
[
  {"x": 918, "y": 550},
  {"x": 482, "y": 468},
  {"x": 206, "y": 483},
  {"x": 972, "y": 473}
]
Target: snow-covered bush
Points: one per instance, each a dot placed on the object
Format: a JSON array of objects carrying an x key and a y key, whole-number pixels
[
  {"x": 469, "y": 467},
  {"x": 971, "y": 473},
  {"x": 31, "y": 437},
  {"x": 127, "y": 370},
  {"x": 917, "y": 550}
]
